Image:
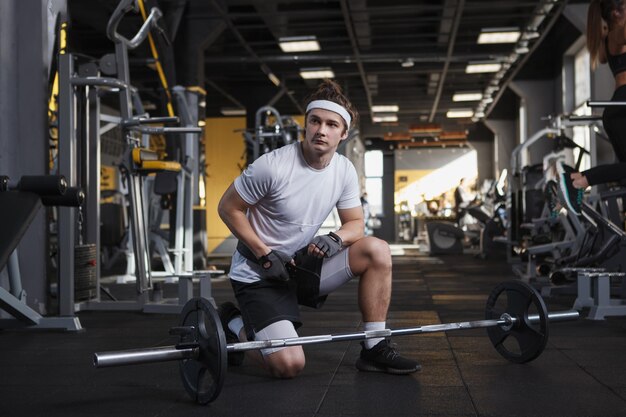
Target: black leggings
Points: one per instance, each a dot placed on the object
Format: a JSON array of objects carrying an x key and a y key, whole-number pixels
[{"x": 614, "y": 120}]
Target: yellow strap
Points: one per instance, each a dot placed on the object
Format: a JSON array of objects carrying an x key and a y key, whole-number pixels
[
  {"x": 161, "y": 166},
  {"x": 197, "y": 89},
  {"x": 63, "y": 38},
  {"x": 52, "y": 105},
  {"x": 155, "y": 55},
  {"x": 141, "y": 155}
]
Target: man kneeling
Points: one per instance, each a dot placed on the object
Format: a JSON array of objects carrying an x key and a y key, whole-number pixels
[{"x": 275, "y": 207}]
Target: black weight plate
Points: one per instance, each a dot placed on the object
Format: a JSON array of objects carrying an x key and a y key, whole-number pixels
[
  {"x": 203, "y": 377},
  {"x": 524, "y": 341}
]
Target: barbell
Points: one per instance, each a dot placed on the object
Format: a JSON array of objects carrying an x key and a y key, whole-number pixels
[{"x": 517, "y": 334}]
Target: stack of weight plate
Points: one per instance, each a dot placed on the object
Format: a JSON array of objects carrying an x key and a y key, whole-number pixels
[{"x": 85, "y": 261}]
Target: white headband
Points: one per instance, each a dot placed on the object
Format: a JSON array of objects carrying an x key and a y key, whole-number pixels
[{"x": 332, "y": 106}]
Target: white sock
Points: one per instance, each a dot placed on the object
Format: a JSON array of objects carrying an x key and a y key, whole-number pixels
[
  {"x": 235, "y": 325},
  {"x": 373, "y": 325}
]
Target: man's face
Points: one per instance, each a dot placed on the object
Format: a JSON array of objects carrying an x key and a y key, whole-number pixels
[{"x": 325, "y": 129}]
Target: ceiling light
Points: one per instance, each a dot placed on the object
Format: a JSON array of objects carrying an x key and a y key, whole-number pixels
[
  {"x": 499, "y": 35},
  {"x": 531, "y": 34},
  {"x": 511, "y": 58},
  {"x": 407, "y": 63},
  {"x": 467, "y": 96},
  {"x": 491, "y": 89},
  {"x": 274, "y": 79},
  {"x": 459, "y": 113},
  {"x": 521, "y": 50},
  {"x": 232, "y": 111},
  {"x": 382, "y": 119},
  {"x": 476, "y": 68},
  {"x": 316, "y": 73},
  {"x": 299, "y": 44},
  {"x": 391, "y": 108}
]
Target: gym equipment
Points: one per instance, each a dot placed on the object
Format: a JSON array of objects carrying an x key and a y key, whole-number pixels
[
  {"x": 19, "y": 203},
  {"x": 534, "y": 235},
  {"x": 271, "y": 131},
  {"x": 81, "y": 91},
  {"x": 202, "y": 349},
  {"x": 444, "y": 238}
]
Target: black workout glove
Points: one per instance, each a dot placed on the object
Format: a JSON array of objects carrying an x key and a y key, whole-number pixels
[
  {"x": 329, "y": 244},
  {"x": 273, "y": 266}
]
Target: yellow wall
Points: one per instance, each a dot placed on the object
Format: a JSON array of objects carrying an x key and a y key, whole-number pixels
[{"x": 224, "y": 160}]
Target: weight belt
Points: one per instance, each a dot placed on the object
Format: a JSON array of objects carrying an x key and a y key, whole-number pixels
[{"x": 306, "y": 274}]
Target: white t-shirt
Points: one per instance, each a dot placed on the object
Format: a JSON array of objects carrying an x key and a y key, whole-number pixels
[{"x": 290, "y": 201}]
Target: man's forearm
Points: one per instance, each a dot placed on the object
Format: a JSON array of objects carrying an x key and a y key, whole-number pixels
[
  {"x": 239, "y": 225},
  {"x": 351, "y": 231}
]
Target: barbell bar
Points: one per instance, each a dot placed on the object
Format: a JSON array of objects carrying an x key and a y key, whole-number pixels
[
  {"x": 202, "y": 349},
  {"x": 174, "y": 353}
]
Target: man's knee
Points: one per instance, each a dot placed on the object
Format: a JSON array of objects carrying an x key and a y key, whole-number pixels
[
  {"x": 375, "y": 252},
  {"x": 286, "y": 363}
]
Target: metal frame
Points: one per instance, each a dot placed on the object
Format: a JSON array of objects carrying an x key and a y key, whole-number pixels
[{"x": 82, "y": 93}]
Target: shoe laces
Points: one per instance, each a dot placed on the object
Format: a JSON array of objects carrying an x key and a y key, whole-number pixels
[{"x": 389, "y": 351}]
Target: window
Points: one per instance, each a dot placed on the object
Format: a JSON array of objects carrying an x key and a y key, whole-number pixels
[{"x": 374, "y": 181}]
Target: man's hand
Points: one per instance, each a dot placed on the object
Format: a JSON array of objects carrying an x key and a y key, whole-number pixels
[
  {"x": 325, "y": 246},
  {"x": 273, "y": 265}
]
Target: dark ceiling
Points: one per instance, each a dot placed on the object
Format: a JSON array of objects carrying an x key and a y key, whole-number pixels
[{"x": 230, "y": 47}]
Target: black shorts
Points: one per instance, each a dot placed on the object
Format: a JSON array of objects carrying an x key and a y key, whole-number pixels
[{"x": 265, "y": 302}]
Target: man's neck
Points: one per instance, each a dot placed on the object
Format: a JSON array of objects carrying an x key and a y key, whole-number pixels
[{"x": 316, "y": 160}]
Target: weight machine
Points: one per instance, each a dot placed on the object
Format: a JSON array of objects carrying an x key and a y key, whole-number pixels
[
  {"x": 81, "y": 88},
  {"x": 526, "y": 210},
  {"x": 271, "y": 131}
]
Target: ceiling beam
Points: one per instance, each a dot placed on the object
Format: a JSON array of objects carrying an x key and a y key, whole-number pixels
[
  {"x": 444, "y": 72},
  {"x": 356, "y": 51},
  {"x": 520, "y": 64},
  {"x": 364, "y": 58},
  {"x": 250, "y": 51}
]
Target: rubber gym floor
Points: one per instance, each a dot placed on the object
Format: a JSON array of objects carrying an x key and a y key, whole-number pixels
[{"x": 580, "y": 373}]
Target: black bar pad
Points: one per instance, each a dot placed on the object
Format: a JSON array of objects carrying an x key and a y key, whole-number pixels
[
  {"x": 43, "y": 185},
  {"x": 73, "y": 197}
]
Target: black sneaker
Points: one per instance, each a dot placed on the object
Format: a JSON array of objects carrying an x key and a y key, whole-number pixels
[
  {"x": 573, "y": 196},
  {"x": 551, "y": 196},
  {"x": 228, "y": 311},
  {"x": 384, "y": 358}
]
